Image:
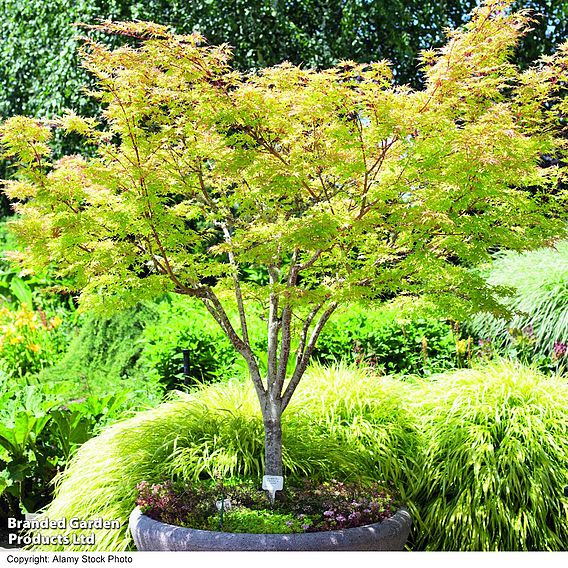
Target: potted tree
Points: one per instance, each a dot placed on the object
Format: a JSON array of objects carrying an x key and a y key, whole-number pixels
[{"x": 333, "y": 185}]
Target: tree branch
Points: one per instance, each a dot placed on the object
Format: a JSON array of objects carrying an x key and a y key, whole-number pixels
[
  {"x": 304, "y": 333},
  {"x": 286, "y": 326},
  {"x": 271, "y": 150},
  {"x": 273, "y": 327},
  {"x": 215, "y": 308},
  {"x": 310, "y": 261},
  {"x": 305, "y": 357},
  {"x": 206, "y": 196},
  {"x": 238, "y": 291}
]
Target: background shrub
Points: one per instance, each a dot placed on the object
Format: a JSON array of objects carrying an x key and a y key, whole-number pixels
[
  {"x": 184, "y": 324},
  {"x": 104, "y": 357},
  {"x": 29, "y": 339},
  {"x": 52, "y": 400},
  {"x": 38, "y": 435},
  {"x": 380, "y": 339}
]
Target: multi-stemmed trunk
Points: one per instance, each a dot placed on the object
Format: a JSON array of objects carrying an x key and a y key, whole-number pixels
[
  {"x": 275, "y": 391},
  {"x": 275, "y": 396}
]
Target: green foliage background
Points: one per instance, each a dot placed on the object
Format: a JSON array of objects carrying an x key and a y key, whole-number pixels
[
  {"x": 39, "y": 431},
  {"x": 38, "y": 60},
  {"x": 185, "y": 324},
  {"x": 384, "y": 340},
  {"x": 104, "y": 357}
]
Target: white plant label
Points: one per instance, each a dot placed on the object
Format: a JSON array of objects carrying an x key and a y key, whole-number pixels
[
  {"x": 273, "y": 482},
  {"x": 225, "y": 504}
]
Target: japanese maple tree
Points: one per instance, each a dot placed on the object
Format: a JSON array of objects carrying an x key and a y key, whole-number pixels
[{"x": 337, "y": 185}]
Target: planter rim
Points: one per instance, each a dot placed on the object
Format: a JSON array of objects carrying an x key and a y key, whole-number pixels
[{"x": 390, "y": 534}]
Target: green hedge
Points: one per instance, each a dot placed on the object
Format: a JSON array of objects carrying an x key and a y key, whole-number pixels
[
  {"x": 361, "y": 335},
  {"x": 416, "y": 345},
  {"x": 180, "y": 325}
]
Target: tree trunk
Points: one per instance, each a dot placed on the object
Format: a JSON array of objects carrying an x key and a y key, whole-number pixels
[{"x": 272, "y": 420}]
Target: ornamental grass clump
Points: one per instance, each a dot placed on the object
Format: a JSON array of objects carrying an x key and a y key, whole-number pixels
[
  {"x": 495, "y": 461},
  {"x": 479, "y": 456},
  {"x": 538, "y": 299},
  {"x": 350, "y": 425}
]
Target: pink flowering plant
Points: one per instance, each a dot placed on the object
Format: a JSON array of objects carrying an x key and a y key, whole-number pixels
[{"x": 174, "y": 506}]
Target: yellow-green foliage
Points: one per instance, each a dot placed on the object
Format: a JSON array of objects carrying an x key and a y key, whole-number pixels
[
  {"x": 479, "y": 456},
  {"x": 495, "y": 461},
  {"x": 338, "y": 181}
]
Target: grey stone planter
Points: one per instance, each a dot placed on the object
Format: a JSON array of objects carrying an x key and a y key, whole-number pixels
[{"x": 149, "y": 534}]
